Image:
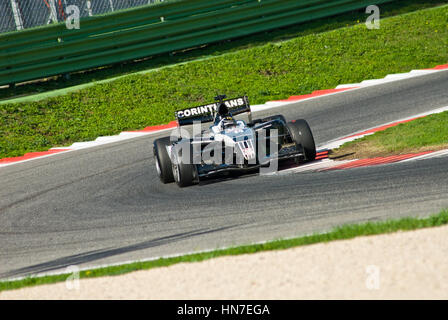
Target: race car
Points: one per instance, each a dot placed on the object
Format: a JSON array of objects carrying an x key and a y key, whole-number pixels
[{"x": 229, "y": 144}]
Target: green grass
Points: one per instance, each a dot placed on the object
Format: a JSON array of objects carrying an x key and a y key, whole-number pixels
[
  {"x": 215, "y": 49},
  {"x": 424, "y": 134},
  {"x": 338, "y": 233},
  {"x": 268, "y": 72}
]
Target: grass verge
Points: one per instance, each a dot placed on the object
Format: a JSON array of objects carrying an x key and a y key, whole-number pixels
[
  {"x": 214, "y": 49},
  {"x": 338, "y": 233},
  {"x": 425, "y": 134},
  {"x": 269, "y": 72}
]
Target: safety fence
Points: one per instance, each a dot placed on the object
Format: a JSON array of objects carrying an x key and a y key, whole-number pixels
[{"x": 23, "y": 14}]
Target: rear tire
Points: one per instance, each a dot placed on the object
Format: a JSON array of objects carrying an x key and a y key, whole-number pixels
[
  {"x": 163, "y": 161},
  {"x": 301, "y": 134}
]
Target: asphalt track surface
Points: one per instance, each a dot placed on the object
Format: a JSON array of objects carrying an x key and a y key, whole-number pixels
[{"x": 106, "y": 205}]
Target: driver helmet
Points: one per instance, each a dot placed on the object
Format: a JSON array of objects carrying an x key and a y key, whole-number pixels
[{"x": 228, "y": 121}]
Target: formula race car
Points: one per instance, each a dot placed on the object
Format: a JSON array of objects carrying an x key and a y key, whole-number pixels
[{"x": 229, "y": 144}]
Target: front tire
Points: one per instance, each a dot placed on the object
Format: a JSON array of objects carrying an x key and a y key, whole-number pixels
[
  {"x": 185, "y": 174},
  {"x": 162, "y": 159},
  {"x": 301, "y": 134}
]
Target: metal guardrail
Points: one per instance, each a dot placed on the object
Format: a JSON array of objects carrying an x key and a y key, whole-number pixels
[{"x": 149, "y": 30}]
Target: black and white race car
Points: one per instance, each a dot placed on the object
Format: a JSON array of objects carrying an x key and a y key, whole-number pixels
[{"x": 229, "y": 144}]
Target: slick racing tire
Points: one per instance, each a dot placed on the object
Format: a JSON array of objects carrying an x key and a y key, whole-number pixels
[
  {"x": 163, "y": 161},
  {"x": 301, "y": 134},
  {"x": 185, "y": 174}
]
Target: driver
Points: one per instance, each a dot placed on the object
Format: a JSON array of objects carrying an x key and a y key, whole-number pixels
[{"x": 223, "y": 117}]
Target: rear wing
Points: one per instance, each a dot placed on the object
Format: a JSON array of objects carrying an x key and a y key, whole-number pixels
[{"x": 206, "y": 112}]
